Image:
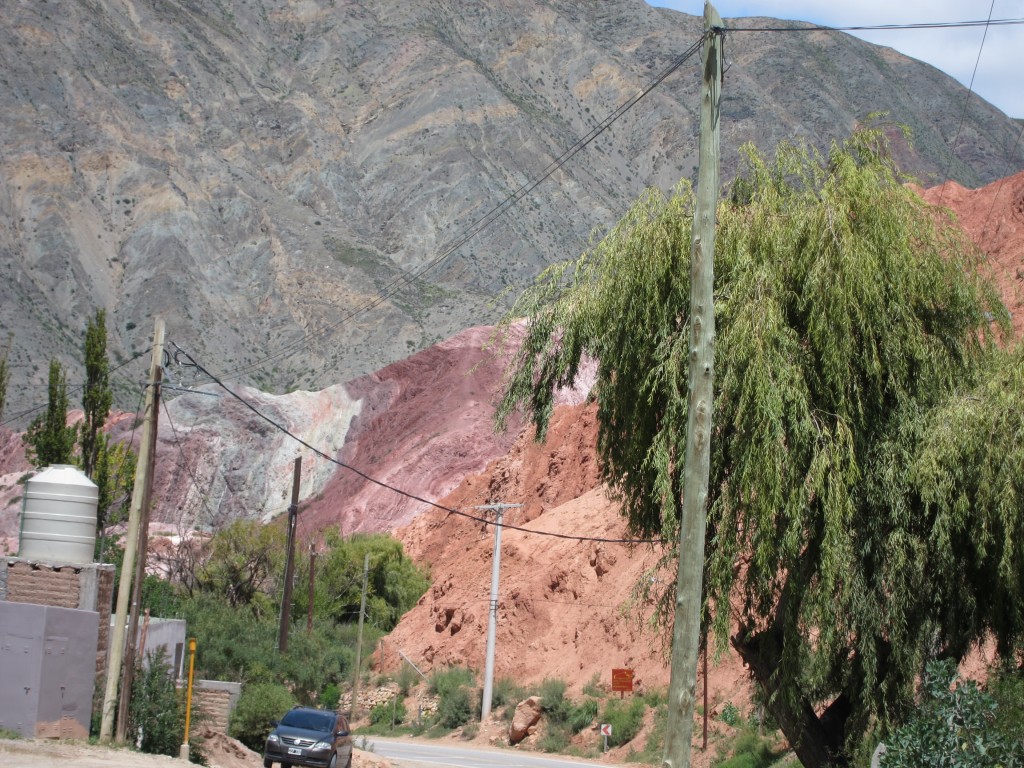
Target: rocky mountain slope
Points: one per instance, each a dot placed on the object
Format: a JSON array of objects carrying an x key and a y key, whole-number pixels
[
  {"x": 281, "y": 179},
  {"x": 566, "y": 607}
]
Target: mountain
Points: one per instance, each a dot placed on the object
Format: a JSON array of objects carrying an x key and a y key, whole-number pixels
[{"x": 281, "y": 180}]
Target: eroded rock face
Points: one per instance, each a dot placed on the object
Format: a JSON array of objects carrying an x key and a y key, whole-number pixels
[
  {"x": 993, "y": 216},
  {"x": 525, "y": 720},
  {"x": 259, "y": 175}
]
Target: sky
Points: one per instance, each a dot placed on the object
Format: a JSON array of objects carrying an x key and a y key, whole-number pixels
[{"x": 1000, "y": 76}]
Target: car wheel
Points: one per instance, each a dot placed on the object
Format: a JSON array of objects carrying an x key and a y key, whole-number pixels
[
  {"x": 334, "y": 761},
  {"x": 267, "y": 762}
]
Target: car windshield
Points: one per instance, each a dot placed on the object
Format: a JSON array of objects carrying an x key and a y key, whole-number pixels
[{"x": 310, "y": 721}]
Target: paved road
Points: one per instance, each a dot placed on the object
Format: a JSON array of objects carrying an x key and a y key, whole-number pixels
[{"x": 417, "y": 753}]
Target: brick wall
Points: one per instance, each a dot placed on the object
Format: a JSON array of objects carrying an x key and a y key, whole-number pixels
[
  {"x": 213, "y": 702},
  {"x": 213, "y": 707},
  {"x": 43, "y": 584},
  {"x": 87, "y": 587}
]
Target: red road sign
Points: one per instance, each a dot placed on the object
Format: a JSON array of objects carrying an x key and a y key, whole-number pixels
[
  {"x": 622, "y": 680},
  {"x": 606, "y": 729}
]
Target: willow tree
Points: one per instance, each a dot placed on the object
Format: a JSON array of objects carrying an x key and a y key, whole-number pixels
[{"x": 848, "y": 315}]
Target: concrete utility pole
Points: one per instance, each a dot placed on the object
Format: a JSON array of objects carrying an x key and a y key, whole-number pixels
[
  {"x": 492, "y": 614},
  {"x": 696, "y": 469},
  {"x": 359, "y": 640},
  {"x": 115, "y": 658},
  {"x": 289, "y": 567}
]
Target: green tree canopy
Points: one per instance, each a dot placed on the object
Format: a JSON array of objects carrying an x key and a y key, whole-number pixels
[
  {"x": 96, "y": 394},
  {"x": 5, "y": 377},
  {"x": 242, "y": 565},
  {"x": 851, "y": 317},
  {"x": 394, "y": 583},
  {"x": 49, "y": 439}
]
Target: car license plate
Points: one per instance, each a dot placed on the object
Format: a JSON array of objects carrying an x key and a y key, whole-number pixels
[{"x": 294, "y": 751}]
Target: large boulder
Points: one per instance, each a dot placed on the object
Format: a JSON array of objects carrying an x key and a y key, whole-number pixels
[{"x": 525, "y": 720}]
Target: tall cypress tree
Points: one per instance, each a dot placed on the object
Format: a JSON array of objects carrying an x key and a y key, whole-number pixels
[
  {"x": 96, "y": 395},
  {"x": 49, "y": 439},
  {"x": 5, "y": 375}
]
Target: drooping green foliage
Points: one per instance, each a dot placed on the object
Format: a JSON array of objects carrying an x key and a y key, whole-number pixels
[
  {"x": 243, "y": 559},
  {"x": 394, "y": 583},
  {"x": 49, "y": 440},
  {"x": 954, "y": 726},
  {"x": 97, "y": 396},
  {"x": 849, "y": 315}
]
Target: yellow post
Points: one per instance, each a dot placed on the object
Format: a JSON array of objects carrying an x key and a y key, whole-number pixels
[{"x": 183, "y": 753}]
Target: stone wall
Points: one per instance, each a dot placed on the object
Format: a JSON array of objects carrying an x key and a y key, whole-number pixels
[
  {"x": 368, "y": 699},
  {"x": 213, "y": 701}
]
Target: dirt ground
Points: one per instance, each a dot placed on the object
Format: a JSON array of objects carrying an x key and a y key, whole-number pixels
[{"x": 222, "y": 752}]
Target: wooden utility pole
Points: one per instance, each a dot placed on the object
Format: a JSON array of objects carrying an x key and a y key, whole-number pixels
[
  {"x": 140, "y": 575},
  {"x": 115, "y": 657},
  {"x": 289, "y": 567},
  {"x": 696, "y": 469},
  {"x": 359, "y": 640}
]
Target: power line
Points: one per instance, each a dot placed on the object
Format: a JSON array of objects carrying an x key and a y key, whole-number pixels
[
  {"x": 999, "y": 188},
  {"x": 184, "y": 459},
  {"x": 963, "y": 112},
  {"x": 191, "y": 362},
  {"x": 484, "y": 221},
  {"x": 71, "y": 390},
  {"x": 990, "y": 22}
]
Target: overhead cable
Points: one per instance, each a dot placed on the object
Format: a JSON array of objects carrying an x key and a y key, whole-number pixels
[
  {"x": 883, "y": 27},
  {"x": 185, "y": 359},
  {"x": 483, "y": 222}
]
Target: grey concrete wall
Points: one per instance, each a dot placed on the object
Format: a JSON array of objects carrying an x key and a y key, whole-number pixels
[{"x": 48, "y": 665}]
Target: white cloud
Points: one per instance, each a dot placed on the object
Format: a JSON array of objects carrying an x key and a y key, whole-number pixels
[{"x": 954, "y": 51}]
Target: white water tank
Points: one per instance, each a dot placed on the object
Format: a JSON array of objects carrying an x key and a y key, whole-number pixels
[{"x": 58, "y": 518}]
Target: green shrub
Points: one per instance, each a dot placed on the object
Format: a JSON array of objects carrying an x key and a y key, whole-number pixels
[
  {"x": 406, "y": 678},
  {"x": 506, "y": 696},
  {"x": 582, "y": 715},
  {"x": 156, "y": 713},
  {"x": 470, "y": 731},
  {"x": 555, "y": 738},
  {"x": 625, "y": 718},
  {"x": 593, "y": 686},
  {"x": 730, "y": 714},
  {"x": 454, "y": 707},
  {"x": 443, "y": 681},
  {"x": 329, "y": 697},
  {"x": 257, "y": 707},
  {"x": 1007, "y": 688},
  {"x": 749, "y": 751},
  {"x": 553, "y": 702},
  {"x": 953, "y": 726},
  {"x": 389, "y": 713},
  {"x": 654, "y": 747}
]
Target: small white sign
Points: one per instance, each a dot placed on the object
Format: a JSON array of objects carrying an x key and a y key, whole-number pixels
[{"x": 606, "y": 729}]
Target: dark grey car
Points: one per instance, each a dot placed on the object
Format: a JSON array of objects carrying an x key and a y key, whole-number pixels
[{"x": 306, "y": 736}]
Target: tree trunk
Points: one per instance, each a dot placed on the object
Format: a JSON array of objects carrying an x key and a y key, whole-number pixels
[{"x": 817, "y": 742}]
